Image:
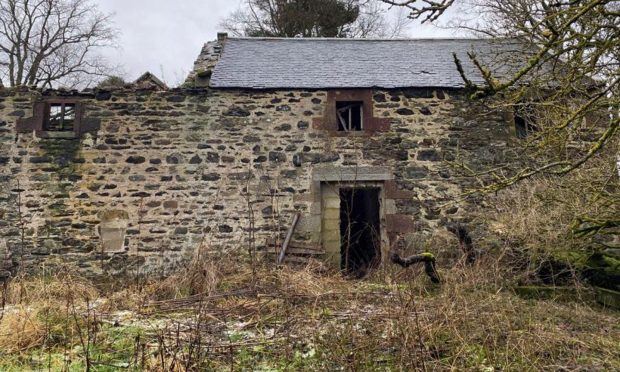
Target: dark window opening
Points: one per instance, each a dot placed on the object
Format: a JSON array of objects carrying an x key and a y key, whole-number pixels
[
  {"x": 350, "y": 116},
  {"x": 60, "y": 117},
  {"x": 525, "y": 124},
  {"x": 360, "y": 234}
]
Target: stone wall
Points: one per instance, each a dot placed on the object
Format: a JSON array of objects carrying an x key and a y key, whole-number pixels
[{"x": 171, "y": 172}]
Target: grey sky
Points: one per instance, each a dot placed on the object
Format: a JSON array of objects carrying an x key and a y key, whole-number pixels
[{"x": 165, "y": 36}]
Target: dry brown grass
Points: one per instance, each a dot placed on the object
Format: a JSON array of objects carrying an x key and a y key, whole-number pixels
[
  {"x": 533, "y": 224},
  {"x": 21, "y": 329},
  {"x": 540, "y": 214},
  {"x": 536, "y": 215},
  {"x": 39, "y": 310},
  {"x": 50, "y": 289},
  {"x": 306, "y": 319},
  {"x": 470, "y": 321}
]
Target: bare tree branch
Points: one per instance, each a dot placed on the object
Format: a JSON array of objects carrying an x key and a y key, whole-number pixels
[
  {"x": 52, "y": 42},
  {"x": 566, "y": 87},
  {"x": 430, "y": 11}
]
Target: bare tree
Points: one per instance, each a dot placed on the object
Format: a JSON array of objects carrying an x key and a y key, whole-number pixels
[
  {"x": 566, "y": 88},
  {"x": 316, "y": 18},
  {"x": 52, "y": 42}
]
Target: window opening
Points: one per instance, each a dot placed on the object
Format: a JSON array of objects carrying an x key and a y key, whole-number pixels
[
  {"x": 525, "y": 124},
  {"x": 60, "y": 118},
  {"x": 350, "y": 116}
]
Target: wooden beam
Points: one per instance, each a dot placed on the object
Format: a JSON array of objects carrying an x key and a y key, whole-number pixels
[{"x": 289, "y": 235}]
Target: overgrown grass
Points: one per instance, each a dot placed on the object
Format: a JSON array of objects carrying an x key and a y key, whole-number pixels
[{"x": 235, "y": 318}]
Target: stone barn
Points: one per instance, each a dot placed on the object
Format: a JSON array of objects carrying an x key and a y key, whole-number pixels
[{"x": 354, "y": 140}]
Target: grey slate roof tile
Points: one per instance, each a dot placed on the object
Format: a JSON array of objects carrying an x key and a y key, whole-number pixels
[{"x": 272, "y": 63}]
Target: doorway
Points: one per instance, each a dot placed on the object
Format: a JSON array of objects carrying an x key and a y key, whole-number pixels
[{"x": 360, "y": 230}]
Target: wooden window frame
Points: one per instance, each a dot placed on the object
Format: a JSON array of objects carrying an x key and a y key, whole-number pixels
[
  {"x": 343, "y": 126},
  {"x": 40, "y": 119},
  {"x": 43, "y": 121},
  {"x": 524, "y": 123},
  {"x": 329, "y": 121},
  {"x": 47, "y": 117}
]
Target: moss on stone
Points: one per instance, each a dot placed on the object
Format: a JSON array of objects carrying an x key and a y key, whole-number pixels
[
  {"x": 428, "y": 255},
  {"x": 607, "y": 263},
  {"x": 204, "y": 74},
  {"x": 608, "y": 298},
  {"x": 63, "y": 152}
]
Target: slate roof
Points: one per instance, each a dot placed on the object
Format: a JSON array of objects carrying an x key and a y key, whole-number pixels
[{"x": 271, "y": 63}]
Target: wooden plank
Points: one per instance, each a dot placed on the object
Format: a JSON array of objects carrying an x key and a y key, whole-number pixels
[
  {"x": 300, "y": 245},
  {"x": 301, "y": 251},
  {"x": 308, "y": 246},
  {"x": 343, "y": 123},
  {"x": 298, "y": 259},
  {"x": 289, "y": 235}
]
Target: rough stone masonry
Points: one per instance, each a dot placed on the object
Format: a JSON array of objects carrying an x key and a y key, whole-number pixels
[{"x": 154, "y": 175}]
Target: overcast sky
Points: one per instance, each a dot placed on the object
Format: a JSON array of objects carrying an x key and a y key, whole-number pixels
[{"x": 165, "y": 36}]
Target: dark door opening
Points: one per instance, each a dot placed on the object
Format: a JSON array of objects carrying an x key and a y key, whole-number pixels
[{"x": 360, "y": 234}]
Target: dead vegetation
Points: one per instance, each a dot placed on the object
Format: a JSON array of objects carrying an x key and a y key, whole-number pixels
[
  {"x": 550, "y": 226},
  {"x": 245, "y": 318}
]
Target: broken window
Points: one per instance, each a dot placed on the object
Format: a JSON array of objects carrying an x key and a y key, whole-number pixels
[
  {"x": 350, "y": 116},
  {"x": 60, "y": 117},
  {"x": 525, "y": 123}
]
